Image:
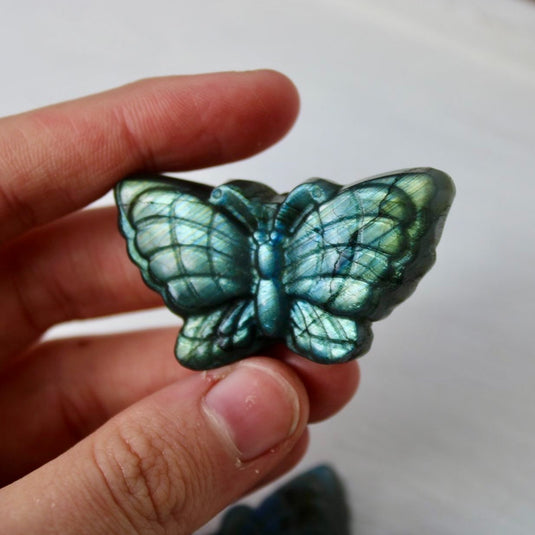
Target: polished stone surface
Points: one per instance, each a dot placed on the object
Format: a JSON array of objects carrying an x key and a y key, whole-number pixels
[
  {"x": 246, "y": 266},
  {"x": 313, "y": 503}
]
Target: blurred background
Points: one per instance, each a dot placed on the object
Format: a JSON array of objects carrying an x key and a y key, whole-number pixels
[{"x": 441, "y": 436}]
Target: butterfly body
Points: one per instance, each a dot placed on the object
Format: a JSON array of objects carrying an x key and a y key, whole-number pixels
[
  {"x": 269, "y": 295},
  {"x": 246, "y": 266}
]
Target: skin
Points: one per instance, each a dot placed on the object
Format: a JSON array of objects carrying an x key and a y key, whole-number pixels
[{"x": 108, "y": 433}]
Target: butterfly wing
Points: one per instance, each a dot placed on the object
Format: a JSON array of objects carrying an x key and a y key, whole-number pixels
[
  {"x": 215, "y": 338},
  {"x": 357, "y": 255},
  {"x": 198, "y": 258},
  {"x": 323, "y": 336},
  {"x": 314, "y": 503}
]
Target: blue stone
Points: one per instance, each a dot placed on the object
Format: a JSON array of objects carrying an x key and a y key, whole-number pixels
[{"x": 313, "y": 503}]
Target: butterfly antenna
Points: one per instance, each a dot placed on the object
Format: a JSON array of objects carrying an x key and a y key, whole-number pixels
[
  {"x": 302, "y": 199},
  {"x": 232, "y": 201}
]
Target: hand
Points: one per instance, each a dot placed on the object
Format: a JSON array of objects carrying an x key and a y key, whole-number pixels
[{"x": 108, "y": 434}]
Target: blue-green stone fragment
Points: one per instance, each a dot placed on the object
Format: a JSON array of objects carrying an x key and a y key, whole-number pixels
[
  {"x": 313, "y": 503},
  {"x": 245, "y": 266}
]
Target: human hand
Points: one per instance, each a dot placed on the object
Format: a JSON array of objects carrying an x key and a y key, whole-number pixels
[{"x": 108, "y": 434}]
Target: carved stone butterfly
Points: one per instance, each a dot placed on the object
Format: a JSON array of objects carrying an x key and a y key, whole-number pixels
[
  {"x": 245, "y": 266},
  {"x": 312, "y": 503}
]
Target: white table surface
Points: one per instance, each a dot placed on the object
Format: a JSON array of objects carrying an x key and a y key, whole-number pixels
[{"x": 441, "y": 436}]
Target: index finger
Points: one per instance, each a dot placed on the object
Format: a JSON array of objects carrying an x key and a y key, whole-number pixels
[{"x": 57, "y": 159}]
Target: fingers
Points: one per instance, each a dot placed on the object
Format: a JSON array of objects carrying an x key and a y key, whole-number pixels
[
  {"x": 329, "y": 386},
  {"x": 57, "y": 159},
  {"x": 289, "y": 462},
  {"x": 68, "y": 388},
  {"x": 65, "y": 389},
  {"x": 74, "y": 268},
  {"x": 170, "y": 462}
]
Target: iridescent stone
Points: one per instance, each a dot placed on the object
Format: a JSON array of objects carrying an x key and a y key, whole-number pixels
[
  {"x": 245, "y": 266},
  {"x": 312, "y": 503}
]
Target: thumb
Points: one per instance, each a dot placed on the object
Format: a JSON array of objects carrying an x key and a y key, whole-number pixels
[{"x": 170, "y": 462}]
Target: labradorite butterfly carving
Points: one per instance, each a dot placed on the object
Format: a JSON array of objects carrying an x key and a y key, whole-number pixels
[
  {"x": 245, "y": 266},
  {"x": 313, "y": 502}
]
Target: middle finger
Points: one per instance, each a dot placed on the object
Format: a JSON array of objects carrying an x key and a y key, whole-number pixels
[{"x": 74, "y": 268}]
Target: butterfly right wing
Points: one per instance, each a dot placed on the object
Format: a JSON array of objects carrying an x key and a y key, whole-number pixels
[
  {"x": 198, "y": 258},
  {"x": 354, "y": 257}
]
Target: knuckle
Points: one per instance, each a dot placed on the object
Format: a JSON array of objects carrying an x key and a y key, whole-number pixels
[
  {"x": 20, "y": 213},
  {"x": 147, "y": 476},
  {"x": 23, "y": 310},
  {"x": 80, "y": 410},
  {"x": 58, "y": 297},
  {"x": 142, "y": 150},
  {"x": 41, "y": 304}
]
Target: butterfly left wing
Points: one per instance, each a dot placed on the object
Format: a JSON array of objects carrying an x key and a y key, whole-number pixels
[
  {"x": 197, "y": 256},
  {"x": 219, "y": 337},
  {"x": 354, "y": 257}
]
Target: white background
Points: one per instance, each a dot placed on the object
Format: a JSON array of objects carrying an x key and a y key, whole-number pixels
[{"x": 441, "y": 436}]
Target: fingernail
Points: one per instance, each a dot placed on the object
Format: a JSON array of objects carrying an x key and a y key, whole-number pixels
[{"x": 255, "y": 407}]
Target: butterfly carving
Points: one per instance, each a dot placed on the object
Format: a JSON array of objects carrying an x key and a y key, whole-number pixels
[
  {"x": 245, "y": 266},
  {"x": 312, "y": 503}
]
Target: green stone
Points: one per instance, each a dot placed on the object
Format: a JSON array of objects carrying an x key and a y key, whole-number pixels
[{"x": 245, "y": 266}]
